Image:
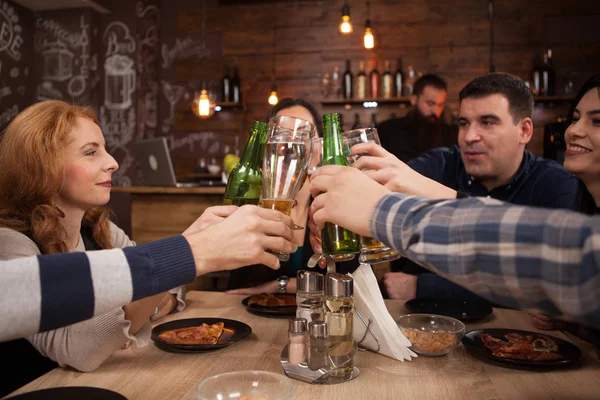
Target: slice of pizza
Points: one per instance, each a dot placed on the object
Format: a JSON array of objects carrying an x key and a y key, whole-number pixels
[
  {"x": 270, "y": 300},
  {"x": 545, "y": 356},
  {"x": 491, "y": 342},
  {"x": 194, "y": 335}
]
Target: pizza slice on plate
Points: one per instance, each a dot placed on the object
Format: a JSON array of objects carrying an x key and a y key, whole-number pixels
[{"x": 194, "y": 335}]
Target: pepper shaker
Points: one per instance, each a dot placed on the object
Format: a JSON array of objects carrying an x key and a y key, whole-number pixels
[{"x": 317, "y": 345}]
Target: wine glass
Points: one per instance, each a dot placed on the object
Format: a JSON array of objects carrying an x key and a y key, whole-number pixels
[
  {"x": 372, "y": 251},
  {"x": 288, "y": 153}
]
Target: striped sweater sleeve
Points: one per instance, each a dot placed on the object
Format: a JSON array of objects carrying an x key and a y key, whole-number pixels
[
  {"x": 67, "y": 288},
  {"x": 520, "y": 257}
]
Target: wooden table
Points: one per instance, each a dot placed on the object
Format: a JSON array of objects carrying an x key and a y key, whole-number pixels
[{"x": 149, "y": 373}]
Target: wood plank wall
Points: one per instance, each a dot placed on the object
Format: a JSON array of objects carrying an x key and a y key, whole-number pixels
[{"x": 448, "y": 37}]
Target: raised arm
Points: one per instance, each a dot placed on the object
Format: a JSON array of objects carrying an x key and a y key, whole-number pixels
[{"x": 521, "y": 257}]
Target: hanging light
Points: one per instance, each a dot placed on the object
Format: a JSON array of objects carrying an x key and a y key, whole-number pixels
[
  {"x": 203, "y": 106},
  {"x": 368, "y": 39},
  {"x": 273, "y": 97},
  {"x": 345, "y": 25}
]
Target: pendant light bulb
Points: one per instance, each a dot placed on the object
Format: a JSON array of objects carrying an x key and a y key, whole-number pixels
[
  {"x": 368, "y": 39},
  {"x": 346, "y": 25},
  {"x": 203, "y": 106},
  {"x": 273, "y": 97}
]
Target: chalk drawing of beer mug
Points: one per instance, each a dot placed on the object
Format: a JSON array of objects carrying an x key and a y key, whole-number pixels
[{"x": 119, "y": 82}]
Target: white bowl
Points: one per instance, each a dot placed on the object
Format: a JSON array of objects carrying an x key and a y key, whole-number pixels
[{"x": 262, "y": 385}]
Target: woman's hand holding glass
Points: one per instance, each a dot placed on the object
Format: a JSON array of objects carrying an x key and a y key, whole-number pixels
[{"x": 287, "y": 156}]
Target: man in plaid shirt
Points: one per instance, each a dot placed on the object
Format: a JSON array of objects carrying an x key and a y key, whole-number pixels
[{"x": 521, "y": 257}]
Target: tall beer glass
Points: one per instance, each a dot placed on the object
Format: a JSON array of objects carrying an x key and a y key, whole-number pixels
[
  {"x": 372, "y": 251},
  {"x": 285, "y": 164}
]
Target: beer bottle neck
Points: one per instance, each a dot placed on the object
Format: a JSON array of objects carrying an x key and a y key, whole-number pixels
[
  {"x": 333, "y": 149},
  {"x": 252, "y": 154}
]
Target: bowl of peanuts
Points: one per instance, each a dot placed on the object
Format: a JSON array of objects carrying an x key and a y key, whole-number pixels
[{"x": 431, "y": 335}]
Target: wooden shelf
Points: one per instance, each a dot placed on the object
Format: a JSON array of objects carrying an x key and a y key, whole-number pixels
[
  {"x": 553, "y": 99},
  {"x": 343, "y": 102}
]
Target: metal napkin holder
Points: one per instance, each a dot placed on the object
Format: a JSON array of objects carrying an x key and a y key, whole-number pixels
[{"x": 321, "y": 376}]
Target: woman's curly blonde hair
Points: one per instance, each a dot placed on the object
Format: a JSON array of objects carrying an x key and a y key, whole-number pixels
[{"x": 32, "y": 176}]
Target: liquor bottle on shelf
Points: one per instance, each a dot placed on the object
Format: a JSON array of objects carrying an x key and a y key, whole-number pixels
[
  {"x": 325, "y": 85},
  {"x": 236, "y": 92},
  {"x": 374, "y": 78},
  {"x": 373, "y": 123},
  {"x": 336, "y": 82},
  {"x": 347, "y": 82},
  {"x": 336, "y": 241},
  {"x": 244, "y": 183},
  {"x": 536, "y": 77},
  {"x": 398, "y": 79},
  {"x": 387, "y": 82},
  {"x": 548, "y": 75},
  {"x": 410, "y": 81},
  {"x": 356, "y": 124},
  {"x": 225, "y": 85},
  {"x": 362, "y": 91}
]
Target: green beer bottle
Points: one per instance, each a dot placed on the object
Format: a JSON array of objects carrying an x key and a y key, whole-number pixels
[
  {"x": 244, "y": 182},
  {"x": 336, "y": 241}
]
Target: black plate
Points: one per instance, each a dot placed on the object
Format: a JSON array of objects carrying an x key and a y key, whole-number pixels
[
  {"x": 270, "y": 312},
  {"x": 473, "y": 344},
  {"x": 464, "y": 310},
  {"x": 70, "y": 392},
  {"x": 234, "y": 331}
]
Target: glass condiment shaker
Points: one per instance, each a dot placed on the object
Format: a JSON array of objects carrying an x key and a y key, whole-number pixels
[
  {"x": 298, "y": 341},
  {"x": 317, "y": 345},
  {"x": 339, "y": 318},
  {"x": 309, "y": 296}
]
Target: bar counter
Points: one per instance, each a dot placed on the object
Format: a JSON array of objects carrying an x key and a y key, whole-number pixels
[{"x": 158, "y": 212}]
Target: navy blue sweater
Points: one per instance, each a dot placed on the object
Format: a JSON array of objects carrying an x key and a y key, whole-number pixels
[{"x": 538, "y": 182}]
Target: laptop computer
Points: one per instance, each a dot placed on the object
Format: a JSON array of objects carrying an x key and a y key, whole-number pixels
[{"x": 156, "y": 165}]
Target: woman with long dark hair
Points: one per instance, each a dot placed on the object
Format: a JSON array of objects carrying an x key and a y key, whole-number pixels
[{"x": 258, "y": 279}]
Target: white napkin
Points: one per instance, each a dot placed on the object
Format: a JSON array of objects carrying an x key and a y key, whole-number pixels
[{"x": 368, "y": 301}]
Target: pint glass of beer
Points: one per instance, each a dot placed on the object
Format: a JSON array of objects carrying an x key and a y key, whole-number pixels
[
  {"x": 285, "y": 164},
  {"x": 372, "y": 251}
]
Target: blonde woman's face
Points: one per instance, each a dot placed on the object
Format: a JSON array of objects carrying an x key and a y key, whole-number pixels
[{"x": 88, "y": 167}]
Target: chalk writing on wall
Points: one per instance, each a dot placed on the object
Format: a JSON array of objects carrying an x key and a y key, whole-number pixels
[
  {"x": 117, "y": 114},
  {"x": 10, "y": 31},
  {"x": 65, "y": 58},
  {"x": 148, "y": 25},
  {"x": 184, "y": 48}
]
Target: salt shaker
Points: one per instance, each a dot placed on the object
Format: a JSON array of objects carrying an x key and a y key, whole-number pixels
[
  {"x": 317, "y": 345},
  {"x": 298, "y": 338},
  {"x": 309, "y": 296}
]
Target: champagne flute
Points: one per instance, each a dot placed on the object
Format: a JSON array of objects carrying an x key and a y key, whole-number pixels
[
  {"x": 285, "y": 165},
  {"x": 372, "y": 251}
]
